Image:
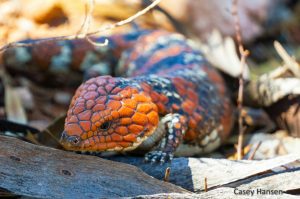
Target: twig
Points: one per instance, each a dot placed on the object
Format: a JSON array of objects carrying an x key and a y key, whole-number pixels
[
  {"x": 205, "y": 184},
  {"x": 167, "y": 174},
  {"x": 93, "y": 33},
  {"x": 251, "y": 156},
  {"x": 89, "y": 8},
  {"x": 288, "y": 60},
  {"x": 243, "y": 54}
]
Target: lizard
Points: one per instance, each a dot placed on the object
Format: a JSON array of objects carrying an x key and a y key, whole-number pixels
[{"x": 164, "y": 99}]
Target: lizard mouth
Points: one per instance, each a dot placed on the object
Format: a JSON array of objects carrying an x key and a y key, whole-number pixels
[{"x": 95, "y": 146}]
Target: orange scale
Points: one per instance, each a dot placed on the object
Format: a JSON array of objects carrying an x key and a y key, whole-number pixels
[
  {"x": 85, "y": 115},
  {"x": 110, "y": 131},
  {"x": 125, "y": 144},
  {"x": 136, "y": 129},
  {"x": 192, "y": 95},
  {"x": 134, "y": 90},
  {"x": 101, "y": 81},
  {"x": 95, "y": 117},
  {"x": 154, "y": 96},
  {"x": 190, "y": 135},
  {"x": 80, "y": 100},
  {"x": 139, "y": 118},
  {"x": 126, "y": 93},
  {"x": 175, "y": 107},
  {"x": 92, "y": 87},
  {"x": 107, "y": 138},
  {"x": 154, "y": 107},
  {"x": 85, "y": 125},
  {"x": 115, "y": 97},
  {"x": 106, "y": 112},
  {"x": 90, "y": 134},
  {"x": 70, "y": 110},
  {"x": 94, "y": 128},
  {"x": 116, "y": 90},
  {"x": 90, "y": 95},
  {"x": 96, "y": 138},
  {"x": 146, "y": 87},
  {"x": 122, "y": 130},
  {"x": 130, "y": 137},
  {"x": 113, "y": 104},
  {"x": 125, "y": 121},
  {"x": 99, "y": 107},
  {"x": 101, "y": 146},
  {"x": 177, "y": 125},
  {"x": 144, "y": 107},
  {"x": 125, "y": 112},
  {"x": 78, "y": 109},
  {"x": 192, "y": 124},
  {"x": 83, "y": 92},
  {"x": 181, "y": 91},
  {"x": 197, "y": 116},
  {"x": 110, "y": 79},
  {"x": 91, "y": 142},
  {"x": 153, "y": 117},
  {"x": 161, "y": 107},
  {"x": 130, "y": 103},
  {"x": 101, "y": 91},
  {"x": 190, "y": 84},
  {"x": 73, "y": 129},
  {"x": 116, "y": 137},
  {"x": 140, "y": 98},
  {"x": 188, "y": 106},
  {"x": 102, "y": 139},
  {"x": 164, "y": 99},
  {"x": 109, "y": 87},
  {"x": 97, "y": 124},
  {"x": 115, "y": 114},
  {"x": 73, "y": 119},
  {"x": 111, "y": 145},
  {"x": 94, "y": 147},
  {"x": 90, "y": 104},
  {"x": 84, "y": 136}
]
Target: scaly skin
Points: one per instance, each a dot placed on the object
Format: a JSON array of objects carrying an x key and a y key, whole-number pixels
[{"x": 170, "y": 99}]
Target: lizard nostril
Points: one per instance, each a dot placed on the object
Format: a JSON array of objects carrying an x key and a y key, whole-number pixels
[{"x": 73, "y": 139}]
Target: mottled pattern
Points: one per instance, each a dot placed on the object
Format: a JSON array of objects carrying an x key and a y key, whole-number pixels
[{"x": 168, "y": 97}]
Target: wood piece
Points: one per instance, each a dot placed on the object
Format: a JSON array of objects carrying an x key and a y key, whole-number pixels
[
  {"x": 190, "y": 173},
  {"x": 36, "y": 171}
]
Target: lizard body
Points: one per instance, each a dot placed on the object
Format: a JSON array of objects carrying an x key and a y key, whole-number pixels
[{"x": 166, "y": 99}]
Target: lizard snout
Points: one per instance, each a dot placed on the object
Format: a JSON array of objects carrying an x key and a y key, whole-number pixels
[{"x": 69, "y": 140}]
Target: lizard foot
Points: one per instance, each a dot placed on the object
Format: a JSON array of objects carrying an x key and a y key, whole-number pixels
[{"x": 158, "y": 157}]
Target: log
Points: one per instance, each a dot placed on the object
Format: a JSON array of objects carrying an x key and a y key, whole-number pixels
[
  {"x": 190, "y": 173},
  {"x": 43, "y": 172}
]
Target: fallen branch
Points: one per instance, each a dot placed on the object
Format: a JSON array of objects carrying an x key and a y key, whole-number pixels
[
  {"x": 31, "y": 170},
  {"x": 42, "y": 172}
]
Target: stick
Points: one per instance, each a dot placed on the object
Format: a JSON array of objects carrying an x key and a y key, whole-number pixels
[
  {"x": 243, "y": 53},
  {"x": 93, "y": 33}
]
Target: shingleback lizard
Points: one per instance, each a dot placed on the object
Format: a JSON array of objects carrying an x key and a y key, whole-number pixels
[{"x": 165, "y": 99}]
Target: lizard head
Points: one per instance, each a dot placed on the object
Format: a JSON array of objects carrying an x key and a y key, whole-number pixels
[{"x": 108, "y": 114}]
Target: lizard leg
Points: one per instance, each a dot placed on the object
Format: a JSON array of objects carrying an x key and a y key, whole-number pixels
[{"x": 175, "y": 127}]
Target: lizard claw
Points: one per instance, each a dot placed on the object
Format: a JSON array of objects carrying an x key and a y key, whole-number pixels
[{"x": 158, "y": 157}]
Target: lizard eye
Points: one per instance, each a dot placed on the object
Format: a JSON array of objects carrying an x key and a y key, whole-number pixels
[{"x": 105, "y": 126}]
